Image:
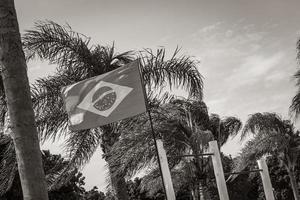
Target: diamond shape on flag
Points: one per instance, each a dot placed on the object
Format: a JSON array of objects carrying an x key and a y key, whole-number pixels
[{"x": 104, "y": 98}]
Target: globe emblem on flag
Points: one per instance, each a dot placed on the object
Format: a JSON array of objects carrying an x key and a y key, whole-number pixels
[{"x": 105, "y": 98}]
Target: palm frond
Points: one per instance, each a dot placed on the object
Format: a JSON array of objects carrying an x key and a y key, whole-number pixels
[
  {"x": 229, "y": 126},
  {"x": 52, "y": 119},
  {"x": 178, "y": 71},
  {"x": 295, "y": 106},
  {"x": 214, "y": 125},
  {"x": 196, "y": 109},
  {"x": 53, "y": 166},
  {"x": 273, "y": 143},
  {"x": 298, "y": 49},
  {"x": 70, "y": 50},
  {"x": 263, "y": 123},
  {"x": 152, "y": 182},
  {"x": 232, "y": 125},
  {"x": 58, "y": 44},
  {"x": 155, "y": 100},
  {"x": 106, "y": 59},
  {"x": 79, "y": 146},
  {"x": 8, "y": 163},
  {"x": 249, "y": 155},
  {"x": 252, "y": 151},
  {"x": 3, "y": 110},
  {"x": 135, "y": 150}
]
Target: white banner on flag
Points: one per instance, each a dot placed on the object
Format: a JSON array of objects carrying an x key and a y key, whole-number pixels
[{"x": 165, "y": 171}]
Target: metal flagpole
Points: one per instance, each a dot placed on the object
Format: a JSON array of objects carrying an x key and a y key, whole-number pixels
[{"x": 152, "y": 129}]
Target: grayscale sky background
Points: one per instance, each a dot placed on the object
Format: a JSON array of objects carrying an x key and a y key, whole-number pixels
[{"x": 246, "y": 48}]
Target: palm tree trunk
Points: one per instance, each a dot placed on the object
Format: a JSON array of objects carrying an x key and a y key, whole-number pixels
[
  {"x": 121, "y": 189},
  {"x": 109, "y": 138},
  {"x": 194, "y": 194},
  {"x": 119, "y": 185},
  {"x": 203, "y": 191},
  {"x": 294, "y": 184},
  {"x": 16, "y": 86}
]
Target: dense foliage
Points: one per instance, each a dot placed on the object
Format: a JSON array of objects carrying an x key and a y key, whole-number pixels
[
  {"x": 185, "y": 127},
  {"x": 271, "y": 135},
  {"x": 71, "y": 190}
]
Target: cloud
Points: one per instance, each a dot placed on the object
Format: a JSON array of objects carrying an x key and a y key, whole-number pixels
[
  {"x": 275, "y": 76},
  {"x": 239, "y": 55},
  {"x": 229, "y": 33},
  {"x": 210, "y": 28},
  {"x": 216, "y": 105},
  {"x": 247, "y": 68},
  {"x": 253, "y": 68},
  {"x": 164, "y": 39},
  {"x": 231, "y": 41}
]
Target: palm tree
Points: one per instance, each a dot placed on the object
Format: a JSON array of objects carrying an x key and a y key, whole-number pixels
[
  {"x": 15, "y": 88},
  {"x": 186, "y": 128},
  {"x": 271, "y": 135},
  {"x": 76, "y": 61}
]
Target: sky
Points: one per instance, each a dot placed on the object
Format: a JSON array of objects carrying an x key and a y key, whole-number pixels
[{"x": 246, "y": 49}]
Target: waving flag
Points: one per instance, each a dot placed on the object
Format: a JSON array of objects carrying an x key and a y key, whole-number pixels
[{"x": 106, "y": 98}]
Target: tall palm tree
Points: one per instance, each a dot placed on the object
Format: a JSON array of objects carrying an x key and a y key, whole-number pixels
[
  {"x": 271, "y": 135},
  {"x": 186, "y": 128},
  {"x": 15, "y": 87},
  {"x": 76, "y": 61}
]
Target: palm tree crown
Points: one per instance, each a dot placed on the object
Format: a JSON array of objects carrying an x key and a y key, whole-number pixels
[{"x": 270, "y": 135}]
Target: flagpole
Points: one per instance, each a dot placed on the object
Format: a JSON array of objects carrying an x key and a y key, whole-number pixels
[
  {"x": 152, "y": 129},
  {"x": 156, "y": 148}
]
